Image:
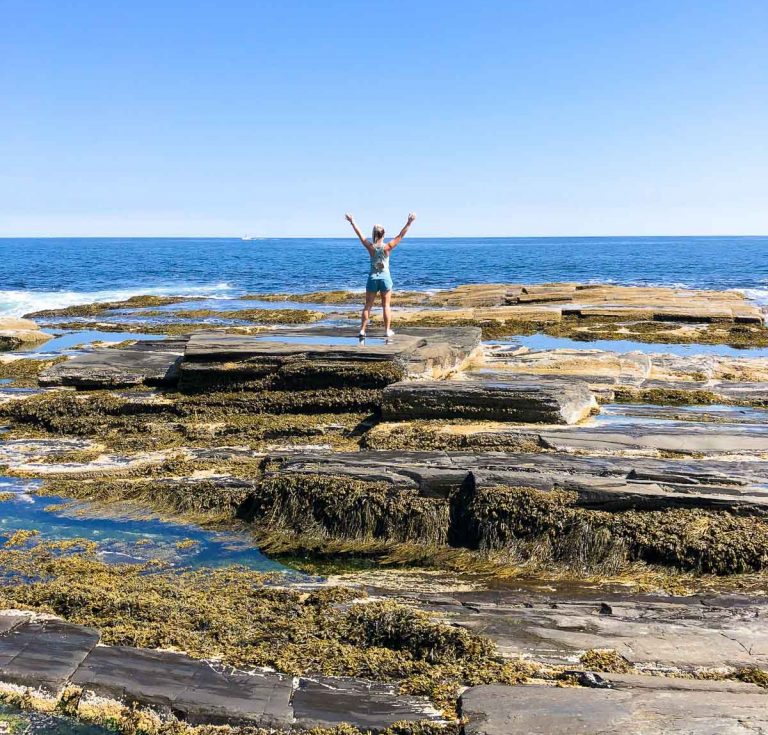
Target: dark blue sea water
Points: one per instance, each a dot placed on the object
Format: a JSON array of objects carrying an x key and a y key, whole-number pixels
[{"x": 49, "y": 273}]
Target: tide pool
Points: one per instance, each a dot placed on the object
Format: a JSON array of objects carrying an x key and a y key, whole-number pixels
[{"x": 125, "y": 533}]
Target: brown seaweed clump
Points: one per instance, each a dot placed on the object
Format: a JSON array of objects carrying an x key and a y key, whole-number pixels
[
  {"x": 605, "y": 659},
  {"x": 256, "y": 316},
  {"x": 239, "y": 616},
  {"x": 327, "y": 506},
  {"x": 550, "y": 527},
  {"x": 97, "y": 309},
  {"x": 25, "y": 371}
]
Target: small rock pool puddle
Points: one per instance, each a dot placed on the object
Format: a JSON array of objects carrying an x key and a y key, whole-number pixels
[
  {"x": 545, "y": 342},
  {"x": 713, "y": 417},
  {"x": 129, "y": 536}
]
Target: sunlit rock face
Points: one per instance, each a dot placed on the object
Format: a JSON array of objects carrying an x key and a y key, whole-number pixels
[{"x": 18, "y": 333}]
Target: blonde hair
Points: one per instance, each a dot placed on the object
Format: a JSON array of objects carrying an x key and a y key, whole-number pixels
[{"x": 378, "y": 233}]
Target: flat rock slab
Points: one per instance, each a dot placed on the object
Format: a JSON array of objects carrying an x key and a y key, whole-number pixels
[
  {"x": 220, "y": 347},
  {"x": 628, "y": 368},
  {"x": 370, "y": 706},
  {"x": 9, "y": 621},
  {"x": 14, "y": 451},
  {"x": 44, "y": 653},
  {"x": 670, "y": 636},
  {"x": 420, "y": 351},
  {"x": 187, "y": 687},
  {"x": 115, "y": 368},
  {"x": 521, "y": 401},
  {"x": 642, "y": 708}
]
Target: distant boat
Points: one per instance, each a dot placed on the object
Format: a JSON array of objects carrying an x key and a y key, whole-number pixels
[{"x": 247, "y": 237}]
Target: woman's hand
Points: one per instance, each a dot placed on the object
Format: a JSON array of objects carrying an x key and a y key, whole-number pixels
[
  {"x": 411, "y": 217},
  {"x": 349, "y": 218}
]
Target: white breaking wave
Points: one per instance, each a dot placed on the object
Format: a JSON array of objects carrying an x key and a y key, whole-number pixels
[
  {"x": 758, "y": 295},
  {"x": 18, "y": 303}
]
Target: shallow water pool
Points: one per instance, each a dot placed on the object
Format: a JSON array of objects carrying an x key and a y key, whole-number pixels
[
  {"x": 545, "y": 342},
  {"x": 325, "y": 339},
  {"x": 131, "y": 535},
  {"x": 69, "y": 340}
]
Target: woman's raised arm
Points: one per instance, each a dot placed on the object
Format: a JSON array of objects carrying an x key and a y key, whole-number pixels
[
  {"x": 394, "y": 243},
  {"x": 363, "y": 240}
]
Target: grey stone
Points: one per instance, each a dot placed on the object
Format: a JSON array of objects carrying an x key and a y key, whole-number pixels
[
  {"x": 370, "y": 706},
  {"x": 44, "y": 652},
  {"x": 191, "y": 689},
  {"x": 648, "y": 708},
  {"x": 517, "y": 400},
  {"x": 9, "y": 621},
  {"x": 222, "y": 347},
  {"x": 112, "y": 368},
  {"x": 654, "y": 635}
]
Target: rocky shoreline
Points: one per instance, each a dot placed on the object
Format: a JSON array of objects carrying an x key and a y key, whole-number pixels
[{"x": 444, "y": 451}]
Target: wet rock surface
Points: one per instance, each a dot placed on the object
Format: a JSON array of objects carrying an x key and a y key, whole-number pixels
[
  {"x": 195, "y": 690},
  {"x": 44, "y": 652},
  {"x": 327, "y": 702}
]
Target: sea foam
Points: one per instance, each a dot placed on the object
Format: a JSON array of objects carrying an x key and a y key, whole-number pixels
[{"x": 18, "y": 303}]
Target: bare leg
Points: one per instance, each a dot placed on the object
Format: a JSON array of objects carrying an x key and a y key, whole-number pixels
[
  {"x": 386, "y": 299},
  {"x": 370, "y": 299}
]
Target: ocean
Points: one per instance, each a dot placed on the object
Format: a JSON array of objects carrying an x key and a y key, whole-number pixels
[{"x": 42, "y": 273}]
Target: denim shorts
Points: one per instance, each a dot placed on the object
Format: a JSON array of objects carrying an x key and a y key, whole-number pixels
[{"x": 379, "y": 284}]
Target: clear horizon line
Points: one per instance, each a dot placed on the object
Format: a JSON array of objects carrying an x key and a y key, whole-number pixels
[{"x": 348, "y": 237}]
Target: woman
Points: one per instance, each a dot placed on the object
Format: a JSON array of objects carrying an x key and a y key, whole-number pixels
[{"x": 379, "y": 278}]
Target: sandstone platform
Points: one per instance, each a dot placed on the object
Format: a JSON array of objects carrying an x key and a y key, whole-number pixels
[
  {"x": 574, "y": 299},
  {"x": 607, "y": 483},
  {"x": 16, "y": 333}
]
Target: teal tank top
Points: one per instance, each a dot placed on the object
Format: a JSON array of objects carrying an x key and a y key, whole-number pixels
[{"x": 379, "y": 261}]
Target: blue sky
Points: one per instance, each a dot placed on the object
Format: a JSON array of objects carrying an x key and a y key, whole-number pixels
[{"x": 508, "y": 117}]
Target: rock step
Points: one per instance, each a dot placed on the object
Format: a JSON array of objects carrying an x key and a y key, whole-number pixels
[
  {"x": 643, "y": 705},
  {"x": 48, "y": 653},
  {"x": 602, "y": 482},
  {"x": 112, "y": 368},
  {"x": 521, "y": 401}
]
